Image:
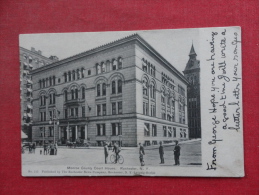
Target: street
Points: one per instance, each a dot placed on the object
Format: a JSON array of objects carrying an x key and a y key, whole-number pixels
[{"x": 190, "y": 156}]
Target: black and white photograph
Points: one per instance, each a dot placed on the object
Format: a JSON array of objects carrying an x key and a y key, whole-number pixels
[{"x": 131, "y": 103}]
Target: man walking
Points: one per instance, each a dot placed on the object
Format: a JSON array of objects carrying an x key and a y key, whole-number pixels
[
  {"x": 161, "y": 152},
  {"x": 106, "y": 152},
  {"x": 141, "y": 154},
  {"x": 177, "y": 149},
  {"x": 116, "y": 150}
]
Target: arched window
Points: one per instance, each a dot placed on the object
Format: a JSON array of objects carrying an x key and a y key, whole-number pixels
[
  {"x": 78, "y": 74},
  {"x": 50, "y": 98},
  {"x": 98, "y": 90},
  {"x": 54, "y": 80},
  {"x": 43, "y": 83},
  {"x": 65, "y": 94},
  {"x": 104, "y": 89},
  {"x": 108, "y": 66},
  {"x": 47, "y": 82},
  {"x": 83, "y": 93},
  {"x": 145, "y": 87},
  {"x": 98, "y": 69},
  {"x": 114, "y": 64},
  {"x": 69, "y": 76},
  {"x": 73, "y": 94},
  {"x": 65, "y": 77},
  {"x": 74, "y": 75},
  {"x": 163, "y": 96},
  {"x": 50, "y": 81},
  {"x": 82, "y": 72},
  {"x": 54, "y": 98},
  {"x": 119, "y": 86},
  {"x": 40, "y": 84},
  {"x": 119, "y": 63},
  {"x": 152, "y": 90},
  {"x": 113, "y": 87},
  {"x": 76, "y": 93},
  {"x": 103, "y": 67}
]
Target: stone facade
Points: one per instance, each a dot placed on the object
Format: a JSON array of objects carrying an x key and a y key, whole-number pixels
[{"x": 113, "y": 93}]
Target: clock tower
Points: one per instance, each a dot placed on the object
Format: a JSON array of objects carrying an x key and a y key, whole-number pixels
[{"x": 192, "y": 74}]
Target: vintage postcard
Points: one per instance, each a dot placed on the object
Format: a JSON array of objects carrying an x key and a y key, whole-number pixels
[{"x": 132, "y": 103}]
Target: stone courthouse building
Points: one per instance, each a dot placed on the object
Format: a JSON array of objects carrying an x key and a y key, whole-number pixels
[{"x": 124, "y": 92}]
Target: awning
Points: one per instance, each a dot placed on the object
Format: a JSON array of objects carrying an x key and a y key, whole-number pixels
[
  {"x": 29, "y": 81},
  {"x": 29, "y": 90},
  {"x": 23, "y": 135},
  {"x": 29, "y": 106},
  {"x": 29, "y": 115}
]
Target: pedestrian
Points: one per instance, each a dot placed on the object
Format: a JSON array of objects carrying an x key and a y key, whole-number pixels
[
  {"x": 177, "y": 149},
  {"x": 56, "y": 148},
  {"x": 33, "y": 147},
  {"x": 30, "y": 148},
  {"x": 116, "y": 149},
  {"x": 52, "y": 149},
  {"x": 141, "y": 154},
  {"x": 106, "y": 152},
  {"x": 161, "y": 153},
  {"x": 45, "y": 146}
]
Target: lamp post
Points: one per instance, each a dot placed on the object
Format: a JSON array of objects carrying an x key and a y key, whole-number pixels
[{"x": 55, "y": 121}]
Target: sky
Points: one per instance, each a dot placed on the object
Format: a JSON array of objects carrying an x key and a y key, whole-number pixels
[{"x": 173, "y": 45}]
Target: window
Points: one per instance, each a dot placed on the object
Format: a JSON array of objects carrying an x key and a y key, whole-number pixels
[
  {"x": 103, "y": 67},
  {"x": 104, "y": 89},
  {"x": 76, "y": 93},
  {"x": 144, "y": 65},
  {"x": 113, "y": 108},
  {"x": 154, "y": 130},
  {"x": 51, "y": 132},
  {"x": 72, "y": 112},
  {"x": 119, "y": 107},
  {"x": 98, "y": 110},
  {"x": 54, "y": 80},
  {"x": 169, "y": 131},
  {"x": 89, "y": 72},
  {"x": 83, "y": 93},
  {"x": 101, "y": 130},
  {"x": 43, "y": 100},
  {"x": 153, "y": 110},
  {"x": 98, "y": 67},
  {"x": 73, "y": 94},
  {"x": 145, "y": 87},
  {"x": 165, "y": 131},
  {"x": 40, "y": 84},
  {"x": 119, "y": 86},
  {"x": 174, "y": 131},
  {"x": 82, "y": 72},
  {"x": 152, "y": 90},
  {"x": 74, "y": 75},
  {"x": 119, "y": 63},
  {"x": 163, "y": 97},
  {"x": 114, "y": 129},
  {"x": 50, "y": 81},
  {"x": 83, "y": 111},
  {"x": 98, "y": 90},
  {"x": 65, "y": 77},
  {"x": 52, "y": 99},
  {"x": 114, "y": 64},
  {"x": 145, "y": 108},
  {"x": 66, "y": 114},
  {"x": 76, "y": 112},
  {"x": 104, "y": 109},
  {"x": 113, "y": 87},
  {"x": 69, "y": 76},
  {"x": 146, "y": 129},
  {"x": 65, "y": 94}
]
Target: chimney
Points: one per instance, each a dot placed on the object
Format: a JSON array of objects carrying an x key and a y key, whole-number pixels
[
  {"x": 54, "y": 58},
  {"x": 39, "y": 52},
  {"x": 33, "y": 49}
]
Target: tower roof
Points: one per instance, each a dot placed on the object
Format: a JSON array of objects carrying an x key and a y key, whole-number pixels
[{"x": 192, "y": 52}]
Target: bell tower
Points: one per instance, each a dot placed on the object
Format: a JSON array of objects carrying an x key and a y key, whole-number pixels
[{"x": 192, "y": 74}]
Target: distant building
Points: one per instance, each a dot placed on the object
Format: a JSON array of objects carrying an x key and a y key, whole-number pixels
[
  {"x": 29, "y": 60},
  {"x": 123, "y": 92},
  {"x": 192, "y": 74}
]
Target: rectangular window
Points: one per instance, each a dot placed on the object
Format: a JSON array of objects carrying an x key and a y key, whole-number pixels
[
  {"x": 146, "y": 129},
  {"x": 154, "y": 130},
  {"x": 98, "y": 110},
  {"x": 76, "y": 112},
  {"x": 169, "y": 131},
  {"x": 72, "y": 112},
  {"x": 104, "y": 109},
  {"x": 65, "y": 113},
  {"x": 113, "y": 129},
  {"x": 83, "y": 111},
  {"x": 165, "y": 131},
  {"x": 174, "y": 131},
  {"x": 113, "y": 108},
  {"x": 119, "y": 107},
  {"x": 119, "y": 129},
  {"x": 100, "y": 130},
  {"x": 45, "y": 118},
  {"x": 51, "y": 134}
]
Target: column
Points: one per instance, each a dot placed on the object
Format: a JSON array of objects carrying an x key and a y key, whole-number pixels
[
  {"x": 85, "y": 131},
  {"x": 76, "y": 132}
]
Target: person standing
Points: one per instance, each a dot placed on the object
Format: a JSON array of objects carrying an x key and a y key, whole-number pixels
[
  {"x": 33, "y": 147},
  {"x": 45, "y": 146},
  {"x": 161, "y": 153},
  {"x": 56, "y": 148},
  {"x": 141, "y": 154},
  {"x": 106, "y": 152},
  {"x": 117, "y": 151},
  {"x": 177, "y": 149}
]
